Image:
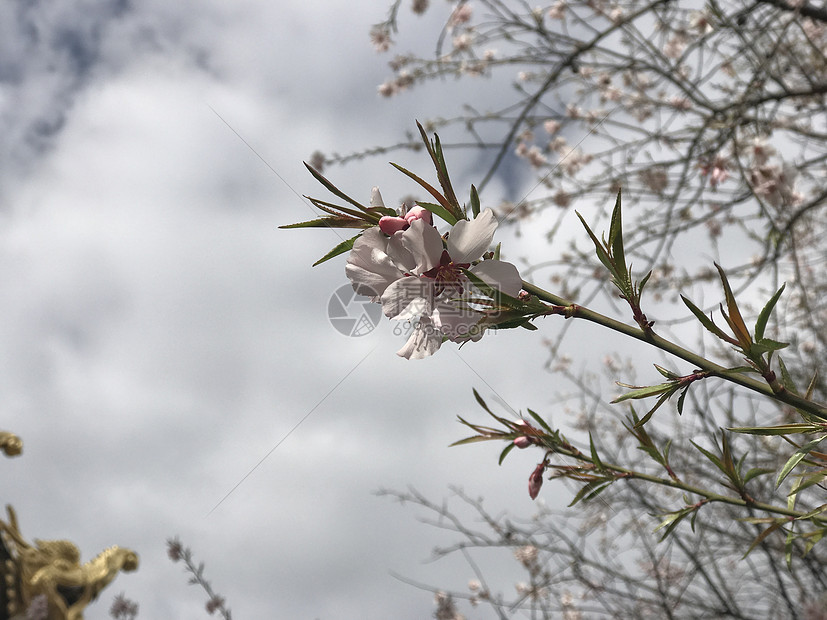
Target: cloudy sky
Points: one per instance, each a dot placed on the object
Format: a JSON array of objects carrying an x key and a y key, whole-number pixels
[{"x": 161, "y": 336}]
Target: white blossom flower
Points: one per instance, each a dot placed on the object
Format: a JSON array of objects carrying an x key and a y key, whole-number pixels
[{"x": 419, "y": 278}]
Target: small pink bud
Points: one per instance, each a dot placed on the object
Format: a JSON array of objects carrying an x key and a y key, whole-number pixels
[
  {"x": 418, "y": 213},
  {"x": 535, "y": 480},
  {"x": 522, "y": 442},
  {"x": 390, "y": 225}
]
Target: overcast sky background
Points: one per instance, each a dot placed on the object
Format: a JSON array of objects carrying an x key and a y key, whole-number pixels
[{"x": 160, "y": 335}]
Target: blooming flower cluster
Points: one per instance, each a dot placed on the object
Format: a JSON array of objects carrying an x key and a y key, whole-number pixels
[{"x": 422, "y": 278}]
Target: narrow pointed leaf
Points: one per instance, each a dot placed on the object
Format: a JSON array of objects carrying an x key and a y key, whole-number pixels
[
  {"x": 329, "y": 222},
  {"x": 786, "y": 378},
  {"x": 616, "y": 245},
  {"x": 666, "y": 373},
  {"x": 782, "y": 429},
  {"x": 796, "y": 458},
  {"x": 505, "y": 452},
  {"x": 735, "y": 319},
  {"x": 475, "y": 202},
  {"x": 332, "y": 188},
  {"x": 335, "y": 209},
  {"x": 451, "y": 219},
  {"x": 602, "y": 254},
  {"x": 646, "y": 392},
  {"x": 438, "y": 210},
  {"x": 540, "y": 421},
  {"x": 438, "y": 158},
  {"x": 344, "y": 246},
  {"x": 590, "y": 490},
  {"x": 595, "y": 458},
  {"x": 763, "y": 535},
  {"x": 766, "y": 311},
  {"x": 666, "y": 396},
  {"x": 707, "y": 322},
  {"x": 474, "y": 439},
  {"x": 715, "y": 460}
]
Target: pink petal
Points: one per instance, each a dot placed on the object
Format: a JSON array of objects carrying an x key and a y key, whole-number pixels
[{"x": 390, "y": 225}]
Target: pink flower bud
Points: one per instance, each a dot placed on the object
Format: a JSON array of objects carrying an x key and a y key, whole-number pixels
[
  {"x": 390, "y": 225},
  {"x": 418, "y": 213},
  {"x": 522, "y": 442},
  {"x": 535, "y": 481}
]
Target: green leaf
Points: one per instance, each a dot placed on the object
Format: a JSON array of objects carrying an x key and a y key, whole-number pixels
[
  {"x": 438, "y": 157},
  {"x": 810, "y": 480},
  {"x": 782, "y": 429},
  {"x": 763, "y": 535},
  {"x": 332, "y": 188},
  {"x": 329, "y": 222},
  {"x": 505, "y": 452},
  {"x": 438, "y": 210},
  {"x": 339, "y": 210},
  {"x": 590, "y": 490},
  {"x": 616, "y": 245},
  {"x": 765, "y": 313},
  {"x": 707, "y": 322},
  {"x": 595, "y": 458},
  {"x": 475, "y": 202},
  {"x": 667, "y": 373},
  {"x": 796, "y": 458},
  {"x": 474, "y": 439},
  {"x": 666, "y": 396},
  {"x": 755, "y": 472},
  {"x": 763, "y": 346},
  {"x": 786, "y": 378},
  {"x": 642, "y": 283},
  {"x": 715, "y": 460},
  {"x": 733, "y": 317},
  {"x": 481, "y": 402},
  {"x": 646, "y": 392},
  {"x": 540, "y": 421},
  {"x": 681, "y": 400},
  {"x": 344, "y": 246},
  {"x": 451, "y": 219},
  {"x": 602, "y": 254},
  {"x": 671, "y": 521}
]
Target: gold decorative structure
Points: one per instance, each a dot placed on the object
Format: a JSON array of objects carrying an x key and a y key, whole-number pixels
[{"x": 51, "y": 569}]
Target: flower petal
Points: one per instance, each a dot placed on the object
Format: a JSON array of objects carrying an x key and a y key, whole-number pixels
[
  {"x": 457, "y": 321},
  {"x": 424, "y": 341},
  {"x": 468, "y": 240},
  {"x": 423, "y": 241},
  {"x": 369, "y": 268},
  {"x": 376, "y": 198},
  {"x": 408, "y": 298},
  {"x": 499, "y": 275}
]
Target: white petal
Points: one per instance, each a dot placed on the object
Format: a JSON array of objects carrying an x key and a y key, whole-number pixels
[
  {"x": 400, "y": 254},
  {"x": 376, "y": 198},
  {"x": 369, "y": 268},
  {"x": 408, "y": 298},
  {"x": 424, "y": 341},
  {"x": 425, "y": 245},
  {"x": 457, "y": 321},
  {"x": 499, "y": 275},
  {"x": 469, "y": 240}
]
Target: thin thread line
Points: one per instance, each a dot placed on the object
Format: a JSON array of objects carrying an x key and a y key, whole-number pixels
[
  {"x": 290, "y": 432},
  {"x": 273, "y": 170}
]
